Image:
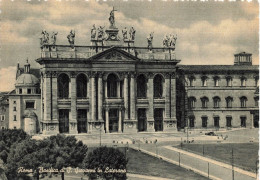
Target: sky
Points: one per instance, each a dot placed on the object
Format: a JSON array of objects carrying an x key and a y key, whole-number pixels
[{"x": 208, "y": 32}]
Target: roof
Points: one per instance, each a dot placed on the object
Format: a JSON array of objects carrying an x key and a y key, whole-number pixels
[
  {"x": 35, "y": 72},
  {"x": 208, "y": 68},
  {"x": 27, "y": 80}
]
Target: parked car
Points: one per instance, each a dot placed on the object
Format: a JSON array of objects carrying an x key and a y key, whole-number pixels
[{"x": 210, "y": 134}]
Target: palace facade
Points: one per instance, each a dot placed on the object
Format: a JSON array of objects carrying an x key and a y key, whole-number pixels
[{"x": 114, "y": 86}]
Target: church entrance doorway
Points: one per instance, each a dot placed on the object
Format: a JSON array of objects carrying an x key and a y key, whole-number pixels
[
  {"x": 141, "y": 119},
  {"x": 113, "y": 120},
  {"x": 158, "y": 119},
  {"x": 64, "y": 121},
  {"x": 82, "y": 120}
]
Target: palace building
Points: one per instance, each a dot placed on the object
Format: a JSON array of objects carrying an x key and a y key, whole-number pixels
[{"x": 114, "y": 86}]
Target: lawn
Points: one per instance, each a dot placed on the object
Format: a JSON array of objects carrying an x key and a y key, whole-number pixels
[
  {"x": 140, "y": 163},
  {"x": 245, "y": 154}
]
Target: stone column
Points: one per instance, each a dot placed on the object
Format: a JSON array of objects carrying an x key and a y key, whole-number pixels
[
  {"x": 93, "y": 97},
  {"x": 167, "y": 91},
  {"x": 120, "y": 120},
  {"x": 105, "y": 84},
  {"x": 150, "y": 116},
  {"x": 132, "y": 98},
  {"x": 126, "y": 96},
  {"x": 130, "y": 125},
  {"x": 173, "y": 101},
  {"x": 107, "y": 120},
  {"x": 73, "y": 95},
  {"x": 54, "y": 97},
  {"x": 118, "y": 89},
  {"x": 100, "y": 97}
]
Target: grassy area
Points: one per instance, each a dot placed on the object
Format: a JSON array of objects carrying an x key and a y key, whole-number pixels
[
  {"x": 245, "y": 154},
  {"x": 140, "y": 163}
]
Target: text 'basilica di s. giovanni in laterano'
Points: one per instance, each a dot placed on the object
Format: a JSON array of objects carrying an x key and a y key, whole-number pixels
[{"x": 112, "y": 85}]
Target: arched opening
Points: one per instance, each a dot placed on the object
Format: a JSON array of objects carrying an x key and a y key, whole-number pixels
[
  {"x": 82, "y": 86},
  {"x": 112, "y": 83},
  {"x": 63, "y": 86},
  {"x": 141, "y": 86},
  {"x": 158, "y": 86},
  {"x": 229, "y": 102},
  {"x": 243, "y": 100},
  {"x": 204, "y": 102},
  {"x": 191, "y": 102},
  {"x": 216, "y": 101}
]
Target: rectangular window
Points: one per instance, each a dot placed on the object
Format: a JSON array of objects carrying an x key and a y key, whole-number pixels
[
  {"x": 29, "y": 91},
  {"x": 14, "y": 109},
  {"x": 216, "y": 122},
  {"x": 29, "y": 105},
  {"x": 204, "y": 121},
  {"x": 229, "y": 121},
  {"x": 14, "y": 117},
  {"x": 191, "y": 122},
  {"x": 14, "y": 102},
  {"x": 191, "y": 82},
  {"x": 243, "y": 121},
  {"x": 20, "y": 91},
  {"x": 2, "y": 117}
]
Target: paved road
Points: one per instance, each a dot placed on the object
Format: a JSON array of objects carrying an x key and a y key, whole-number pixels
[{"x": 201, "y": 165}]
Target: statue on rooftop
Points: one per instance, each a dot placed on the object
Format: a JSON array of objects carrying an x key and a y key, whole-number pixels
[
  {"x": 132, "y": 34},
  {"x": 124, "y": 32},
  {"x": 71, "y": 37},
  {"x": 112, "y": 18},
  {"x": 150, "y": 41},
  {"x": 101, "y": 32},
  {"x": 45, "y": 38},
  {"x": 54, "y": 38},
  {"x": 173, "y": 40},
  {"x": 166, "y": 41},
  {"x": 93, "y": 32}
]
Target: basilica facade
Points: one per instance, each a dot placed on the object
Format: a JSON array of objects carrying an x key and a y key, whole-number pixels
[{"x": 115, "y": 86}]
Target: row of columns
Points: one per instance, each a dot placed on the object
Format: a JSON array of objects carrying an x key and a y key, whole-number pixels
[{"x": 96, "y": 98}]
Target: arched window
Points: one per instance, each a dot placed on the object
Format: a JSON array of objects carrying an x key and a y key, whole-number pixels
[
  {"x": 243, "y": 100},
  {"x": 112, "y": 81},
  {"x": 204, "y": 80},
  {"x": 191, "y": 102},
  {"x": 63, "y": 86},
  {"x": 216, "y": 101},
  {"x": 216, "y": 81},
  {"x": 243, "y": 81},
  {"x": 229, "y": 81},
  {"x": 191, "y": 80},
  {"x": 158, "y": 86},
  {"x": 229, "y": 101},
  {"x": 141, "y": 86},
  {"x": 204, "y": 102},
  {"x": 81, "y": 86}
]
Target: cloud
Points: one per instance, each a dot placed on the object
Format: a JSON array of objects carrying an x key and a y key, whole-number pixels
[
  {"x": 7, "y": 78},
  {"x": 199, "y": 42}
]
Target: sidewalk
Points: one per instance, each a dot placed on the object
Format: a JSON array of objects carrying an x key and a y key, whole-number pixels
[{"x": 201, "y": 165}]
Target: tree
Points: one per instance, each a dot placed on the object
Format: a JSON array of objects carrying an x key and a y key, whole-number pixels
[
  {"x": 53, "y": 152},
  {"x": 109, "y": 163}
]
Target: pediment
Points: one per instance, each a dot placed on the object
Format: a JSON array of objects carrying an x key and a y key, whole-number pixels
[{"x": 115, "y": 55}]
